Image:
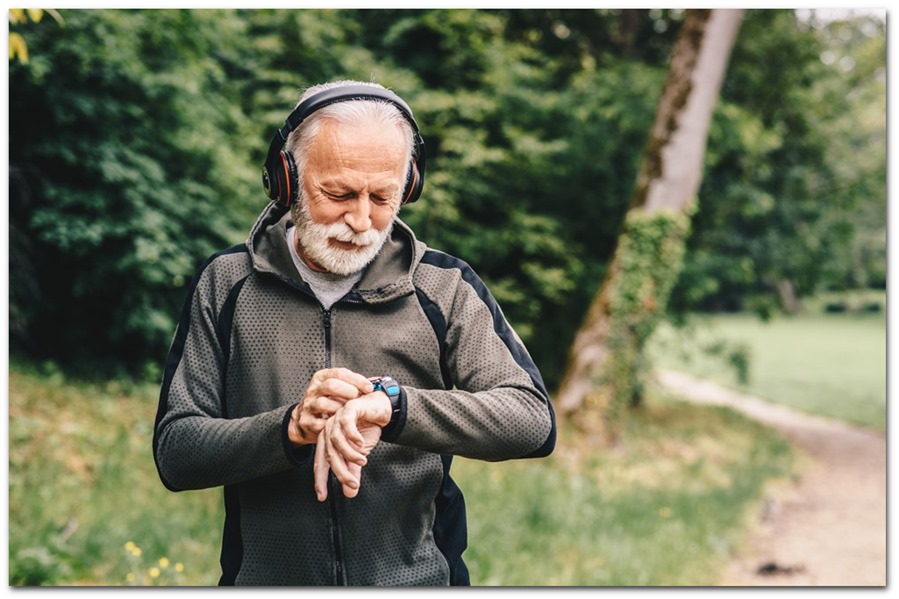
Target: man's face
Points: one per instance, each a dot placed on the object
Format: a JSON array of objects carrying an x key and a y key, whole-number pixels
[{"x": 351, "y": 191}]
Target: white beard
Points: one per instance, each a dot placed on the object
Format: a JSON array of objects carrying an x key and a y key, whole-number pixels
[{"x": 314, "y": 238}]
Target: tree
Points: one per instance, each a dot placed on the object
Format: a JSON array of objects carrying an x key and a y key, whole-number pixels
[
  {"x": 604, "y": 364},
  {"x": 136, "y": 137},
  {"x": 127, "y": 163},
  {"x": 794, "y": 193}
]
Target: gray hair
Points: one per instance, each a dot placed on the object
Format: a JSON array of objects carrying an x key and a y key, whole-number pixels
[{"x": 357, "y": 112}]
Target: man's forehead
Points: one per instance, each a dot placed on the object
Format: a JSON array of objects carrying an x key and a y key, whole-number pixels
[
  {"x": 333, "y": 131},
  {"x": 370, "y": 149}
]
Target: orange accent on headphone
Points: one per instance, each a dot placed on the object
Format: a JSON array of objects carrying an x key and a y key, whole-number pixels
[{"x": 287, "y": 177}]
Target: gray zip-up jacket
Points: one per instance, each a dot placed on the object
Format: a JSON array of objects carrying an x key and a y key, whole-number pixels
[{"x": 250, "y": 337}]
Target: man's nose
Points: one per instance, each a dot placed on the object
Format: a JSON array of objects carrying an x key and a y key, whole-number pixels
[{"x": 358, "y": 217}]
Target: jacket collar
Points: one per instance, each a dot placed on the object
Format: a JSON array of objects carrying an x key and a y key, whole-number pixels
[{"x": 386, "y": 278}]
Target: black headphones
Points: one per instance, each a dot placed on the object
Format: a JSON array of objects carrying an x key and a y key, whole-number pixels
[{"x": 279, "y": 173}]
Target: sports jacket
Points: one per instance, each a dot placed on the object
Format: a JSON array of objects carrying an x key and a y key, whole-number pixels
[{"x": 250, "y": 337}]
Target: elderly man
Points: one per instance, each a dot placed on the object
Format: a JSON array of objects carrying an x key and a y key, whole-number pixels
[{"x": 326, "y": 371}]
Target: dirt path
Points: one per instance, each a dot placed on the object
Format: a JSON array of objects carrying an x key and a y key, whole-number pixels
[{"x": 829, "y": 528}]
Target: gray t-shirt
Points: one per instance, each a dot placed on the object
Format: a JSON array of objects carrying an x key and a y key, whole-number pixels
[{"x": 327, "y": 287}]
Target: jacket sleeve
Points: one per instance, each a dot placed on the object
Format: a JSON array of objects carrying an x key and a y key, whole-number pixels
[
  {"x": 195, "y": 444},
  {"x": 497, "y": 407}
]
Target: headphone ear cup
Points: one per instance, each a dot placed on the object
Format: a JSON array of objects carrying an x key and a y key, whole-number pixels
[
  {"x": 414, "y": 183},
  {"x": 287, "y": 180}
]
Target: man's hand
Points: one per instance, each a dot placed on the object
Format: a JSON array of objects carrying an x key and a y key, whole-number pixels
[
  {"x": 347, "y": 439},
  {"x": 328, "y": 391}
]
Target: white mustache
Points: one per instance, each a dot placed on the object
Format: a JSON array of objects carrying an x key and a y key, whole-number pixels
[{"x": 345, "y": 233}]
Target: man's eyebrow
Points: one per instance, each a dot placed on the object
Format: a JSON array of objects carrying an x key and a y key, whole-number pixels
[
  {"x": 388, "y": 188},
  {"x": 332, "y": 186}
]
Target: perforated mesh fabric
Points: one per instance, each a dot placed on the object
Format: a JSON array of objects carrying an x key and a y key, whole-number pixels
[
  {"x": 252, "y": 341},
  {"x": 494, "y": 412}
]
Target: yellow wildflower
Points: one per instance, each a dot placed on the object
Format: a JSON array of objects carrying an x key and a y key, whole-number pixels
[
  {"x": 154, "y": 572},
  {"x": 164, "y": 562},
  {"x": 179, "y": 567}
]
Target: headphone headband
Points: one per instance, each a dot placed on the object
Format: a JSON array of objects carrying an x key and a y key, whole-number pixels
[
  {"x": 343, "y": 94},
  {"x": 279, "y": 176}
]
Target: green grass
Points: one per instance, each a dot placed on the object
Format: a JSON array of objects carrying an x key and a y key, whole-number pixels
[
  {"x": 827, "y": 364},
  {"x": 665, "y": 507},
  {"x": 82, "y": 485}
]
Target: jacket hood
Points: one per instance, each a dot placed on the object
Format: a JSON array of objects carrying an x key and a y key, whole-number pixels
[{"x": 387, "y": 277}]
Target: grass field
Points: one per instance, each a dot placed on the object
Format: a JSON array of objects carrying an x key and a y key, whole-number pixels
[
  {"x": 828, "y": 364},
  {"x": 664, "y": 508},
  {"x": 85, "y": 502}
]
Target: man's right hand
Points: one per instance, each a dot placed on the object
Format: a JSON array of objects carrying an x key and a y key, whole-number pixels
[{"x": 328, "y": 390}]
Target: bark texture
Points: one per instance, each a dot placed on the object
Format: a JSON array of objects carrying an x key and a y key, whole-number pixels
[{"x": 604, "y": 361}]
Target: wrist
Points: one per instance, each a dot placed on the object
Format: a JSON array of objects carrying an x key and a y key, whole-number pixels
[
  {"x": 295, "y": 433},
  {"x": 297, "y": 455},
  {"x": 383, "y": 408},
  {"x": 388, "y": 387}
]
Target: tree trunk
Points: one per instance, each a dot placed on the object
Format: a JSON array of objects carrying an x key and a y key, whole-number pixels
[
  {"x": 789, "y": 301},
  {"x": 606, "y": 358}
]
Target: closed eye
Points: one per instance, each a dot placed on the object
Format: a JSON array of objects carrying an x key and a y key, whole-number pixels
[{"x": 338, "y": 196}]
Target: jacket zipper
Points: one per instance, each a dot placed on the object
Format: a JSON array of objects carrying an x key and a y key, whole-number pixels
[
  {"x": 326, "y": 321},
  {"x": 333, "y": 488}
]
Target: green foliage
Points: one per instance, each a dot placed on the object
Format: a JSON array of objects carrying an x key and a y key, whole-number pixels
[
  {"x": 128, "y": 162},
  {"x": 18, "y": 48},
  {"x": 795, "y": 183},
  {"x": 155, "y": 123},
  {"x": 649, "y": 259}
]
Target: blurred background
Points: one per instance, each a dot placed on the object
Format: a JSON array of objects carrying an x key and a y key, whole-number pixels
[{"x": 136, "y": 139}]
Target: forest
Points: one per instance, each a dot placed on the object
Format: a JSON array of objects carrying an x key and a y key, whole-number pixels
[{"x": 137, "y": 136}]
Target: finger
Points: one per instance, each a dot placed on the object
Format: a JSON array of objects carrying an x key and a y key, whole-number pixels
[
  {"x": 320, "y": 470},
  {"x": 315, "y": 413},
  {"x": 318, "y": 407},
  {"x": 337, "y": 388},
  {"x": 336, "y": 460},
  {"x": 356, "y": 472},
  {"x": 312, "y": 425},
  {"x": 348, "y": 376},
  {"x": 350, "y": 453},
  {"x": 347, "y": 439},
  {"x": 348, "y": 420}
]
